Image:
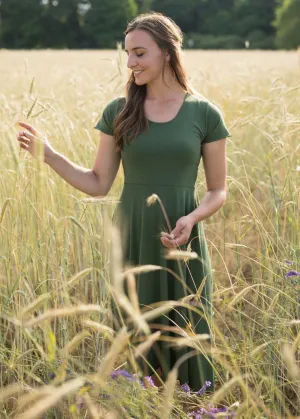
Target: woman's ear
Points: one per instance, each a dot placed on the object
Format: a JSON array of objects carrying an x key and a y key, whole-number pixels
[{"x": 168, "y": 56}]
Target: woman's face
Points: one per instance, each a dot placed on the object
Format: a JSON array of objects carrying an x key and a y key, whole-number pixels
[{"x": 145, "y": 58}]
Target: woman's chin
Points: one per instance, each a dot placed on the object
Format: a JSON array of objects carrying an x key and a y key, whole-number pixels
[{"x": 139, "y": 82}]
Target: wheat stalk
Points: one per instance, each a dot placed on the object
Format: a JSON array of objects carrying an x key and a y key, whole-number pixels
[
  {"x": 51, "y": 400},
  {"x": 143, "y": 347},
  {"x": 63, "y": 312}
]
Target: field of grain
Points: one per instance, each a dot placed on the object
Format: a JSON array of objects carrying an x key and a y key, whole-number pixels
[{"x": 56, "y": 350}]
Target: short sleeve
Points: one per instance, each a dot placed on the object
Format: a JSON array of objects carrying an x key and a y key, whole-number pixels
[
  {"x": 105, "y": 123},
  {"x": 215, "y": 126}
]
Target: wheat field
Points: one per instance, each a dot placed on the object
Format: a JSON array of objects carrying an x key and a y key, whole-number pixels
[{"x": 57, "y": 349}]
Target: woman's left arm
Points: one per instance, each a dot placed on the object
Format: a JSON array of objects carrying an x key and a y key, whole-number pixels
[{"x": 214, "y": 163}]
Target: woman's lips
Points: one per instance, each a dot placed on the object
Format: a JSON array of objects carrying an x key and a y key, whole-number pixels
[{"x": 138, "y": 74}]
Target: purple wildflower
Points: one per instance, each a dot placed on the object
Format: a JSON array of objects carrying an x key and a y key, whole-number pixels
[
  {"x": 293, "y": 273},
  {"x": 211, "y": 413},
  {"x": 197, "y": 413},
  {"x": 80, "y": 403},
  {"x": 202, "y": 389},
  {"x": 150, "y": 380},
  {"x": 218, "y": 409},
  {"x": 129, "y": 377},
  {"x": 185, "y": 387},
  {"x": 289, "y": 262},
  {"x": 124, "y": 373}
]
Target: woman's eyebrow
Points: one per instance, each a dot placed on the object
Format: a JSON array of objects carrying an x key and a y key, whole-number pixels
[{"x": 136, "y": 48}]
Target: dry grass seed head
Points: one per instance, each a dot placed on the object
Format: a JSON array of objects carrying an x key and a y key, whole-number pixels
[
  {"x": 168, "y": 394},
  {"x": 143, "y": 347},
  {"x": 51, "y": 400}
]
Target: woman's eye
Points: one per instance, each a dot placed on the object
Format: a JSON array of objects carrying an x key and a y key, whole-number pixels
[{"x": 139, "y": 55}]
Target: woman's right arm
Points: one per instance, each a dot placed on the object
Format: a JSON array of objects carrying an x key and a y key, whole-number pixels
[{"x": 95, "y": 182}]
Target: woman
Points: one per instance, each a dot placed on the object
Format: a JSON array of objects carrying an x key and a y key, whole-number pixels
[{"x": 160, "y": 130}]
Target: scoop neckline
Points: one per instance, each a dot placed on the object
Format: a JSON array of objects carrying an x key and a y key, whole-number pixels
[{"x": 179, "y": 111}]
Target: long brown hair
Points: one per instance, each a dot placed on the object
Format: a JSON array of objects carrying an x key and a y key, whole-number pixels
[{"x": 131, "y": 120}]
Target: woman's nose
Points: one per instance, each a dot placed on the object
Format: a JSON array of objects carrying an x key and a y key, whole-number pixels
[{"x": 131, "y": 62}]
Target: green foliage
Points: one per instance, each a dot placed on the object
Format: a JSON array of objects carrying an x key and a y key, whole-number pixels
[
  {"x": 185, "y": 17},
  {"x": 223, "y": 23},
  {"x": 207, "y": 41},
  {"x": 64, "y": 23},
  {"x": 259, "y": 40},
  {"x": 61, "y": 25},
  {"x": 287, "y": 24},
  {"x": 101, "y": 23},
  {"x": 20, "y": 23},
  {"x": 144, "y": 6},
  {"x": 254, "y": 15},
  {"x": 105, "y": 21}
]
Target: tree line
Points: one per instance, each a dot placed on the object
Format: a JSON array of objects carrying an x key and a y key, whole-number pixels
[{"x": 207, "y": 24}]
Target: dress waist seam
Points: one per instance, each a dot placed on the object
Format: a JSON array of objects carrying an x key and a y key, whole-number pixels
[{"x": 159, "y": 184}]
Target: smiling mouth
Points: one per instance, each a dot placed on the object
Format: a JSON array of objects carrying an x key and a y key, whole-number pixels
[{"x": 137, "y": 73}]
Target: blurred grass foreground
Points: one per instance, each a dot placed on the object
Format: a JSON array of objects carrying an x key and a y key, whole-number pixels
[{"x": 59, "y": 355}]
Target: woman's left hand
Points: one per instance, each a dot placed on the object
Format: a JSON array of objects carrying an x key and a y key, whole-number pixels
[{"x": 179, "y": 235}]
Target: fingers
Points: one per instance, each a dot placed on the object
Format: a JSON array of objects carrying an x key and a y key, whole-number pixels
[
  {"x": 25, "y": 146},
  {"x": 168, "y": 235},
  {"x": 28, "y": 127},
  {"x": 176, "y": 231},
  {"x": 169, "y": 242},
  {"x": 24, "y": 137}
]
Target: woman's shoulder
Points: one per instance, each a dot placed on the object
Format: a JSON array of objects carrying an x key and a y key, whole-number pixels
[
  {"x": 110, "y": 111},
  {"x": 209, "y": 118},
  {"x": 205, "y": 104},
  {"x": 114, "y": 105},
  {"x": 199, "y": 99}
]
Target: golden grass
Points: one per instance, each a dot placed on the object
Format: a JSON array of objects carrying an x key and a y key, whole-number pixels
[{"x": 55, "y": 281}]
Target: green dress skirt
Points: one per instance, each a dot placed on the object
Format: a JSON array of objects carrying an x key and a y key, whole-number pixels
[{"x": 164, "y": 161}]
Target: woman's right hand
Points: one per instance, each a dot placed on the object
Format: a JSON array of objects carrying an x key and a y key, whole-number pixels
[{"x": 28, "y": 140}]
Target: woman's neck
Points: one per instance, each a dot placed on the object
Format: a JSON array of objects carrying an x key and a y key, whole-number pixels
[{"x": 161, "y": 90}]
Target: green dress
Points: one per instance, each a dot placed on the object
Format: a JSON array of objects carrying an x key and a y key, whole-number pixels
[{"x": 164, "y": 160}]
